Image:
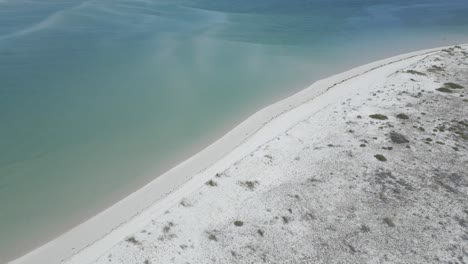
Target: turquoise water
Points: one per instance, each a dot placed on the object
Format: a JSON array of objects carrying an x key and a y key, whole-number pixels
[{"x": 97, "y": 97}]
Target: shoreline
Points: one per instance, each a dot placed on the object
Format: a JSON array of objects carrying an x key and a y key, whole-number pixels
[{"x": 88, "y": 240}]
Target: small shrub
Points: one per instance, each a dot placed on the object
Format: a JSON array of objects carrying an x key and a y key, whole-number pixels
[
  {"x": 365, "y": 229},
  {"x": 133, "y": 241},
  {"x": 211, "y": 183},
  {"x": 184, "y": 247},
  {"x": 415, "y": 72},
  {"x": 312, "y": 179},
  {"x": 212, "y": 237},
  {"x": 380, "y": 157},
  {"x": 435, "y": 68},
  {"x": 238, "y": 223},
  {"x": 184, "y": 203},
  {"x": 251, "y": 185},
  {"x": 351, "y": 249},
  {"x": 444, "y": 90},
  {"x": 389, "y": 222},
  {"x": 310, "y": 216},
  {"x": 260, "y": 232},
  {"x": 453, "y": 85},
  {"x": 402, "y": 116},
  {"x": 379, "y": 117},
  {"x": 449, "y": 51},
  {"x": 398, "y": 138},
  {"x": 166, "y": 229}
]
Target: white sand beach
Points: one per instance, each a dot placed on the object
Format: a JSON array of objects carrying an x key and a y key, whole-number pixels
[{"x": 312, "y": 178}]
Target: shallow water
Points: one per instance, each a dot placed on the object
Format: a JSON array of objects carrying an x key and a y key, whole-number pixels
[{"x": 96, "y": 94}]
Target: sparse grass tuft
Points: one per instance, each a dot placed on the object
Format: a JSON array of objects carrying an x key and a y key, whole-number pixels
[
  {"x": 379, "y": 117},
  {"x": 380, "y": 157}
]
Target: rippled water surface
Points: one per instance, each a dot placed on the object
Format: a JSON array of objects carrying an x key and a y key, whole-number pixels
[{"x": 98, "y": 97}]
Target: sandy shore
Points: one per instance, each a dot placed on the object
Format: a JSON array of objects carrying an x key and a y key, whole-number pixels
[{"x": 187, "y": 213}]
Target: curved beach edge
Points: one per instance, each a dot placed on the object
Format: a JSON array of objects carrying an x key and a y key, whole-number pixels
[{"x": 89, "y": 240}]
